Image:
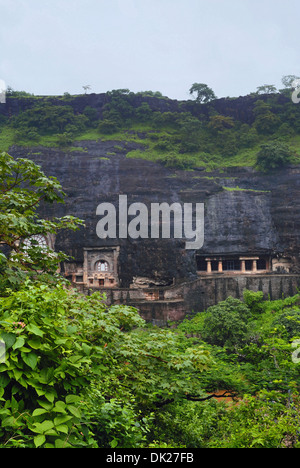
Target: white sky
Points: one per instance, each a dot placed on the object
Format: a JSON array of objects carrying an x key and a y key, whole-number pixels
[{"x": 234, "y": 46}]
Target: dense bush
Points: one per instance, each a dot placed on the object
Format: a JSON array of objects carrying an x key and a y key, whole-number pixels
[
  {"x": 47, "y": 366},
  {"x": 273, "y": 156},
  {"x": 290, "y": 321},
  {"x": 77, "y": 374},
  {"x": 49, "y": 119},
  {"x": 226, "y": 323}
]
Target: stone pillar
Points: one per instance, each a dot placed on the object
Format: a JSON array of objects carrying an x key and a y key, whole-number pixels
[
  {"x": 254, "y": 266},
  {"x": 85, "y": 267},
  {"x": 220, "y": 266},
  {"x": 115, "y": 269},
  {"x": 243, "y": 266},
  {"x": 208, "y": 266}
]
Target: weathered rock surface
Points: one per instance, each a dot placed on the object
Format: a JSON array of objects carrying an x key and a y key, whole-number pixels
[{"x": 258, "y": 213}]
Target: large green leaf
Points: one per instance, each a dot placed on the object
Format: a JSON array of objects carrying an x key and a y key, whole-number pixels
[
  {"x": 43, "y": 427},
  {"x": 39, "y": 440},
  {"x": 34, "y": 329},
  {"x": 20, "y": 341},
  {"x": 30, "y": 359},
  {"x": 8, "y": 338}
]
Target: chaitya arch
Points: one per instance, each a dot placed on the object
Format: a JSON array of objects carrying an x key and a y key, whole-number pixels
[
  {"x": 101, "y": 266},
  {"x": 37, "y": 240}
]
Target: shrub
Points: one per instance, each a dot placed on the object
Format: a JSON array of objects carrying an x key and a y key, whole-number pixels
[
  {"x": 226, "y": 323},
  {"x": 49, "y": 119},
  {"x": 64, "y": 139},
  {"x": 108, "y": 127},
  {"x": 47, "y": 366},
  {"x": 254, "y": 300},
  {"x": 290, "y": 320},
  {"x": 78, "y": 374},
  {"x": 273, "y": 155}
]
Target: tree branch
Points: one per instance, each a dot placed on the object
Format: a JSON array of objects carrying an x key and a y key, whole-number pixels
[
  {"x": 209, "y": 397},
  {"x": 195, "y": 398}
]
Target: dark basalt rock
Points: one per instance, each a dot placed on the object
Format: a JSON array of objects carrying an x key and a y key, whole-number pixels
[{"x": 258, "y": 213}]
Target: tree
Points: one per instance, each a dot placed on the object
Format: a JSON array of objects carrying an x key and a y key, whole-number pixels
[
  {"x": 204, "y": 94},
  {"x": 91, "y": 114},
  {"x": 273, "y": 155},
  {"x": 108, "y": 127},
  {"x": 266, "y": 121},
  {"x": 23, "y": 187},
  {"x": 226, "y": 323},
  {"x": 218, "y": 123},
  {"x": 49, "y": 119},
  {"x": 86, "y": 88},
  {"x": 190, "y": 129},
  {"x": 266, "y": 89},
  {"x": 288, "y": 81}
]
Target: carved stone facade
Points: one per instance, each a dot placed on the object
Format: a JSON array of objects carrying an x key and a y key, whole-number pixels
[{"x": 99, "y": 269}]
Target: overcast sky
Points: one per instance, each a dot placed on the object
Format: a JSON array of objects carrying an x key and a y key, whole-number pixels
[{"x": 234, "y": 46}]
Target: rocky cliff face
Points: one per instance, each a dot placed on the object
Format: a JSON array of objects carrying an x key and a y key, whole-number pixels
[{"x": 246, "y": 212}]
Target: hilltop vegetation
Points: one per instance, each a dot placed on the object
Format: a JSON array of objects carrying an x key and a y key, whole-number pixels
[{"x": 205, "y": 132}]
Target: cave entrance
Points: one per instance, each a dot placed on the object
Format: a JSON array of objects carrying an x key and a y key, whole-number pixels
[
  {"x": 231, "y": 265},
  {"x": 234, "y": 264}
]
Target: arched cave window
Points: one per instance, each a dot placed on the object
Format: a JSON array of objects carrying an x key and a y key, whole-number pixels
[
  {"x": 36, "y": 240},
  {"x": 101, "y": 266}
]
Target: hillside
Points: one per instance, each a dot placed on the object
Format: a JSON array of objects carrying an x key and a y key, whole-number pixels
[{"x": 183, "y": 134}]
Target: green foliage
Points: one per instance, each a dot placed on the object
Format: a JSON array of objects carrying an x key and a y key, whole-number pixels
[
  {"x": 64, "y": 139},
  {"x": 259, "y": 373},
  {"x": 78, "y": 374},
  {"x": 262, "y": 421},
  {"x": 119, "y": 106},
  {"x": 182, "y": 131},
  {"x": 17, "y": 94},
  {"x": 273, "y": 156},
  {"x": 108, "y": 127},
  {"x": 188, "y": 424},
  {"x": 116, "y": 423},
  {"x": 203, "y": 92},
  {"x": 144, "y": 112},
  {"x": 266, "y": 89},
  {"x": 47, "y": 365},
  {"x": 288, "y": 80},
  {"x": 49, "y": 119},
  {"x": 290, "y": 321},
  {"x": 254, "y": 300},
  {"x": 266, "y": 121},
  {"x": 190, "y": 131},
  {"x": 57, "y": 344},
  {"x": 219, "y": 123},
  {"x": 92, "y": 115},
  {"x": 226, "y": 323}
]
